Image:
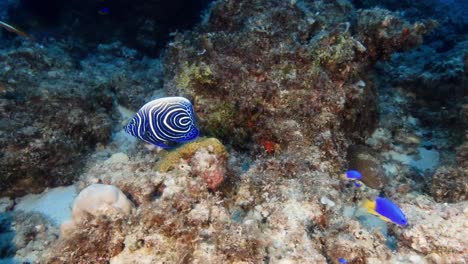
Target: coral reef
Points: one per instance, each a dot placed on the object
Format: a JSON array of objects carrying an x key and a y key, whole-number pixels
[
  {"x": 314, "y": 59},
  {"x": 55, "y": 111},
  {"x": 431, "y": 84},
  {"x": 209, "y": 166},
  {"x": 186, "y": 151},
  {"x": 297, "y": 112},
  {"x": 288, "y": 98},
  {"x": 449, "y": 185},
  {"x": 440, "y": 81},
  {"x": 432, "y": 234}
]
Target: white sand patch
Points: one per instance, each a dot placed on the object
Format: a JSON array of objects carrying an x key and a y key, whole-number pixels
[
  {"x": 55, "y": 203},
  {"x": 424, "y": 160}
]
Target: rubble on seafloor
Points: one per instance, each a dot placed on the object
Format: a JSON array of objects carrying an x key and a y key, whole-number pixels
[{"x": 291, "y": 108}]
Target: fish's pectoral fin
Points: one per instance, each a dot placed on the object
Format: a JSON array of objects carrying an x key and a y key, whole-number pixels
[{"x": 165, "y": 144}]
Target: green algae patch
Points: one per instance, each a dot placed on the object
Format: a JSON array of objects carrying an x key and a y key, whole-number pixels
[
  {"x": 219, "y": 121},
  {"x": 192, "y": 74},
  {"x": 173, "y": 157},
  {"x": 335, "y": 50}
]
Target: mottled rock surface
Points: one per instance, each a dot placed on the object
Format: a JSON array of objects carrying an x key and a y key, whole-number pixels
[
  {"x": 450, "y": 185},
  {"x": 302, "y": 83},
  {"x": 290, "y": 83},
  {"x": 54, "y": 110}
]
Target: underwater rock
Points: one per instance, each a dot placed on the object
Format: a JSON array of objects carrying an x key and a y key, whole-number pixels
[
  {"x": 52, "y": 151},
  {"x": 121, "y": 70},
  {"x": 206, "y": 158},
  {"x": 5, "y": 204},
  {"x": 55, "y": 110},
  {"x": 209, "y": 166},
  {"x": 384, "y": 32},
  {"x": 366, "y": 161},
  {"x": 436, "y": 229},
  {"x": 186, "y": 151},
  {"x": 50, "y": 128},
  {"x": 173, "y": 209},
  {"x": 462, "y": 153},
  {"x": 356, "y": 248},
  {"x": 311, "y": 80},
  {"x": 25, "y": 236},
  {"x": 432, "y": 75},
  {"x": 449, "y": 184}
]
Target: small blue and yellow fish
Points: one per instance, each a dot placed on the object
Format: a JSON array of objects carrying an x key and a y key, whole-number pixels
[
  {"x": 385, "y": 210},
  {"x": 353, "y": 175},
  {"x": 164, "y": 122},
  {"x": 342, "y": 261},
  {"x": 104, "y": 11}
]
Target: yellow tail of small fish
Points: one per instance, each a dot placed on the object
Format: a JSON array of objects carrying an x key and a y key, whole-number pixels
[{"x": 370, "y": 208}]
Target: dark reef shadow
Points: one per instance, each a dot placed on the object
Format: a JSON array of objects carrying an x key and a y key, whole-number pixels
[{"x": 7, "y": 234}]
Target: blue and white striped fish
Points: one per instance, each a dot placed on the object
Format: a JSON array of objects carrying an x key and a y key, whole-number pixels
[{"x": 165, "y": 121}]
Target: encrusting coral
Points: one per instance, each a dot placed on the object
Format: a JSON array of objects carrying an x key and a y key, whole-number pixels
[
  {"x": 206, "y": 156},
  {"x": 186, "y": 151}
]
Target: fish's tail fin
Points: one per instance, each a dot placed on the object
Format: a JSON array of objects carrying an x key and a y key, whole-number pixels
[{"x": 369, "y": 206}]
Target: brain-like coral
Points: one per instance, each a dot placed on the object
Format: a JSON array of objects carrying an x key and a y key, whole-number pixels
[{"x": 97, "y": 200}]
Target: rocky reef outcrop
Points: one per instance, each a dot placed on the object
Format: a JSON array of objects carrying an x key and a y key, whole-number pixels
[
  {"x": 287, "y": 99},
  {"x": 434, "y": 79},
  {"x": 297, "y": 77},
  {"x": 55, "y": 110},
  {"x": 293, "y": 88}
]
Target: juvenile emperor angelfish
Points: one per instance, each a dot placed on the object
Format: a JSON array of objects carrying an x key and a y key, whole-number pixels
[{"x": 164, "y": 122}]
